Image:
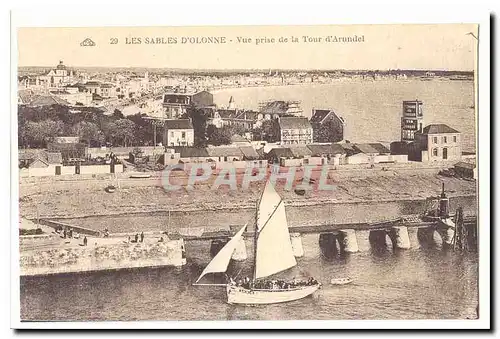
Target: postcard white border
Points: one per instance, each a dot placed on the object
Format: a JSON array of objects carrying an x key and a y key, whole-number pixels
[{"x": 211, "y": 13}]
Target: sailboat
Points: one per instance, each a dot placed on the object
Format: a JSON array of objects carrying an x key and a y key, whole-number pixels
[{"x": 273, "y": 254}]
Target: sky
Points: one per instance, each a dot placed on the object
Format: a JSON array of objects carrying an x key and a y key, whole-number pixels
[{"x": 429, "y": 47}]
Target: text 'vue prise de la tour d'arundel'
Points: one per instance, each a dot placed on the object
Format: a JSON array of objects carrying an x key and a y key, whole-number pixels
[{"x": 165, "y": 40}]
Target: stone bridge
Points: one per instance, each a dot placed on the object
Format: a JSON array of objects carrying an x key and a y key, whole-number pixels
[{"x": 402, "y": 233}]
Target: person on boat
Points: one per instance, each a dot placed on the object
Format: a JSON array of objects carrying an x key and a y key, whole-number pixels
[
  {"x": 136, "y": 237},
  {"x": 85, "y": 241},
  {"x": 142, "y": 236}
]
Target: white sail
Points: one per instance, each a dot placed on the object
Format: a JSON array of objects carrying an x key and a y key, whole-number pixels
[
  {"x": 267, "y": 205},
  {"x": 220, "y": 262},
  {"x": 274, "y": 251}
]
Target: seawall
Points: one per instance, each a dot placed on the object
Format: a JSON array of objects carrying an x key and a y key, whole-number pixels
[{"x": 107, "y": 256}]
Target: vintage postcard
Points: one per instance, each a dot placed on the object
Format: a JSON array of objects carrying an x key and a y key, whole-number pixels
[{"x": 274, "y": 173}]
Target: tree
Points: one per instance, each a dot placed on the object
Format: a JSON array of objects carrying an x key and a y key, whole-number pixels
[
  {"x": 199, "y": 120},
  {"x": 327, "y": 132},
  {"x": 219, "y": 136},
  {"x": 118, "y": 114},
  {"x": 38, "y": 134},
  {"x": 269, "y": 131},
  {"x": 144, "y": 130},
  {"x": 120, "y": 132},
  {"x": 88, "y": 132}
]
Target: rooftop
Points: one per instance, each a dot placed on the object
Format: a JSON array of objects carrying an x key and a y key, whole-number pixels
[
  {"x": 224, "y": 152},
  {"x": 372, "y": 148},
  {"x": 191, "y": 152},
  {"x": 249, "y": 152},
  {"x": 280, "y": 107},
  {"x": 47, "y": 100},
  {"x": 319, "y": 115},
  {"x": 300, "y": 151},
  {"x": 325, "y": 149},
  {"x": 281, "y": 152},
  {"x": 467, "y": 165},
  {"x": 438, "y": 129},
  {"x": 294, "y": 123},
  {"x": 178, "y": 124}
]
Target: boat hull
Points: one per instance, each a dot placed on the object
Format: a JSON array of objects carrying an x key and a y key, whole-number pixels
[{"x": 240, "y": 295}]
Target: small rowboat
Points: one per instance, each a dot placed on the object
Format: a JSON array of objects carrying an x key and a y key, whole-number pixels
[
  {"x": 110, "y": 189},
  {"x": 140, "y": 176},
  {"x": 340, "y": 281}
]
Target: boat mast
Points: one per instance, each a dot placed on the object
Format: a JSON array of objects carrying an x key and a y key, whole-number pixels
[
  {"x": 255, "y": 236},
  {"x": 256, "y": 233}
]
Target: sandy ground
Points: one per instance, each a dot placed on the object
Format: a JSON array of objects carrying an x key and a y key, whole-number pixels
[{"x": 73, "y": 197}]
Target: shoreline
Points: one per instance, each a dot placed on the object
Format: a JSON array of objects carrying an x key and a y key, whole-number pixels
[
  {"x": 243, "y": 207},
  {"x": 338, "y": 80}
]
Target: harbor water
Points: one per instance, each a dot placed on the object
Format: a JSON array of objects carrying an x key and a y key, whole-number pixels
[
  {"x": 426, "y": 283},
  {"x": 372, "y": 109}
]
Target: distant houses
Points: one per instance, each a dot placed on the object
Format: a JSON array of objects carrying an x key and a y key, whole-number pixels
[
  {"x": 437, "y": 142},
  {"x": 333, "y": 154},
  {"x": 327, "y": 126},
  {"x": 176, "y": 104},
  {"x": 66, "y": 155},
  {"x": 295, "y": 130},
  {"x": 178, "y": 132}
]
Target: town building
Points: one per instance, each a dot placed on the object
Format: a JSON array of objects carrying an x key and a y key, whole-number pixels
[
  {"x": 437, "y": 142},
  {"x": 333, "y": 153},
  {"x": 295, "y": 130},
  {"x": 278, "y": 108},
  {"x": 327, "y": 126},
  {"x": 371, "y": 154},
  {"x": 176, "y": 104},
  {"x": 466, "y": 169},
  {"x": 178, "y": 132},
  {"x": 104, "y": 90},
  {"x": 412, "y": 120},
  {"x": 247, "y": 119},
  {"x": 42, "y": 100},
  {"x": 57, "y": 77},
  {"x": 73, "y": 96}
]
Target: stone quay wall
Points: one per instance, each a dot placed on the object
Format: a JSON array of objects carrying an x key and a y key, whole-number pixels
[{"x": 103, "y": 257}]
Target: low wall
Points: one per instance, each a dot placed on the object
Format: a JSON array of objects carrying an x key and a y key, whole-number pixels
[
  {"x": 25, "y": 240},
  {"x": 67, "y": 170},
  {"x": 100, "y": 169},
  {"x": 106, "y": 257},
  {"x": 122, "y": 151},
  {"x": 55, "y": 224}
]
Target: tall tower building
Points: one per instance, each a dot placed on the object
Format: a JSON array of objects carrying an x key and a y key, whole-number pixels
[
  {"x": 412, "y": 120},
  {"x": 231, "y": 103}
]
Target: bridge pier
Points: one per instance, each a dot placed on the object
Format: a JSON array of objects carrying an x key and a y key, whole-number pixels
[
  {"x": 413, "y": 236},
  {"x": 240, "y": 252},
  {"x": 179, "y": 255},
  {"x": 363, "y": 239},
  {"x": 296, "y": 240},
  {"x": 328, "y": 244},
  {"x": 426, "y": 236},
  {"x": 349, "y": 242},
  {"x": 378, "y": 238},
  {"x": 447, "y": 235},
  {"x": 216, "y": 246},
  {"x": 400, "y": 238}
]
